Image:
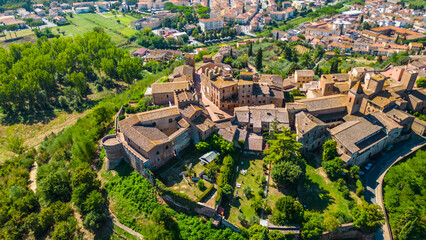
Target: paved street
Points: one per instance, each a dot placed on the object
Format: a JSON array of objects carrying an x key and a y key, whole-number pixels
[{"x": 371, "y": 179}]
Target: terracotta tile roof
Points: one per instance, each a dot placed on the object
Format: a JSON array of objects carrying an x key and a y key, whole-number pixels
[
  {"x": 324, "y": 103},
  {"x": 169, "y": 87},
  {"x": 306, "y": 122}
]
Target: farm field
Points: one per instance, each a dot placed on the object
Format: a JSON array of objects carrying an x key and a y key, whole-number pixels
[
  {"x": 123, "y": 19},
  {"x": 81, "y": 23},
  {"x": 26, "y": 35}
]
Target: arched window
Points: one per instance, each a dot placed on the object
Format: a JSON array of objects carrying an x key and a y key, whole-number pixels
[
  {"x": 167, "y": 147},
  {"x": 158, "y": 152}
]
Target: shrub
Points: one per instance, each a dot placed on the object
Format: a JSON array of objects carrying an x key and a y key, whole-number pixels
[
  {"x": 131, "y": 110},
  {"x": 121, "y": 117},
  {"x": 248, "y": 192},
  {"x": 360, "y": 191},
  {"x": 202, "y": 147},
  {"x": 345, "y": 193},
  {"x": 200, "y": 185},
  {"x": 263, "y": 181}
]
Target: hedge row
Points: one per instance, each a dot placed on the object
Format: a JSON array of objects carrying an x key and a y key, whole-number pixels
[{"x": 205, "y": 193}]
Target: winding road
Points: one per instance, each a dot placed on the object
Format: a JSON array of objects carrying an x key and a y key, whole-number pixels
[{"x": 373, "y": 179}]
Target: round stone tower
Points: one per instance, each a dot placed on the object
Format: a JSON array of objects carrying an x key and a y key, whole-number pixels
[{"x": 114, "y": 151}]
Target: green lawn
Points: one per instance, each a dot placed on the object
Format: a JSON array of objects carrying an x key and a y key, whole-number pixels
[
  {"x": 251, "y": 179},
  {"x": 81, "y": 23},
  {"x": 320, "y": 194}
]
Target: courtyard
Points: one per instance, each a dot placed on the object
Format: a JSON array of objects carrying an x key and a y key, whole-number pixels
[{"x": 171, "y": 176}]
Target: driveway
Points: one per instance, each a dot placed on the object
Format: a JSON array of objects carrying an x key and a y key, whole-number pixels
[
  {"x": 48, "y": 24},
  {"x": 373, "y": 178}
]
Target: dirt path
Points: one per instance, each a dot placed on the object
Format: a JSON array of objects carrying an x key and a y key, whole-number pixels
[
  {"x": 32, "y": 184},
  {"x": 125, "y": 228}
]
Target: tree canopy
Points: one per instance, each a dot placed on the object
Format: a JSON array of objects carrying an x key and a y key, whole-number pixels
[
  {"x": 34, "y": 76},
  {"x": 404, "y": 197}
]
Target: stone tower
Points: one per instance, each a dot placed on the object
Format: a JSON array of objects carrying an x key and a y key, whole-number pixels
[
  {"x": 114, "y": 151},
  {"x": 355, "y": 96},
  {"x": 190, "y": 60},
  {"x": 408, "y": 79}
]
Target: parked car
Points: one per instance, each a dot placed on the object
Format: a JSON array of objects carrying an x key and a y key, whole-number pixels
[{"x": 368, "y": 166}]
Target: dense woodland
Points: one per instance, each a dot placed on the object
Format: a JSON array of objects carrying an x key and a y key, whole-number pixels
[
  {"x": 14, "y": 4},
  {"x": 405, "y": 198},
  {"x": 55, "y": 74}
]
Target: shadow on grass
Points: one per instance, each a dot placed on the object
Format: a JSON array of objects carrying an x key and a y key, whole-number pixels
[
  {"x": 44, "y": 116},
  {"x": 313, "y": 159},
  {"x": 313, "y": 196},
  {"x": 124, "y": 169}
]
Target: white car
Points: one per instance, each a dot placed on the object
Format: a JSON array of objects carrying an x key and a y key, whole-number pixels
[{"x": 368, "y": 166}]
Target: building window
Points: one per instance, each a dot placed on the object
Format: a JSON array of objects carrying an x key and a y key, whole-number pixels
[
  {"x": 170, "y": 120},
  {"x": 242, "y": 102},
  {"x": 158, "y": 153},
  {"x": 167, "y": 96},
  {"x": 154, "y": 124},
  {"x": 167, "y": 147}
]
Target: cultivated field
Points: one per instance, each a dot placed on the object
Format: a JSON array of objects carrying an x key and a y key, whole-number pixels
[{"x": 81, "y": 23}]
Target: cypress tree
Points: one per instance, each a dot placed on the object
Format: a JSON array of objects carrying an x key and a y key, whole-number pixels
[
  {"x": 250, "y": 50},
  {"x": 259, "y": 60}
]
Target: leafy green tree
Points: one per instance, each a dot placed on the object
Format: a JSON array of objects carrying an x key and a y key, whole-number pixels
[
  {"x": 287, "y": 211},
  {"x": 63, "y": 231},
  {"x": 286, "y": 172},
  {"x": 283, "y": 148},
  {"x": 55, "y": 186},
  {"x": 403, "y": 197},
  {"x": 354, "y": 171},
  {"x": 334, "y": 168},
  {"x": 329, "y": 150},
  {"x": 312, "y": 227},
  {"x": 421, "y": 82},
  {"x": 306, "y": 60},
  {"x": 129, "y": 69},
  {"x": 94, "y": 202},
  {"x": 331, "y": 223},
  {"x": 257, "y": 202},
  {"x": 157, "y": 232},
  {"x": 367, "y": 217},
  {"x": 94, "y": 220},
  {"x": 227, "y": 190}
]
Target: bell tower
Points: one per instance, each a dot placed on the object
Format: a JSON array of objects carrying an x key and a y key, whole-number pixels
[{"x": 355, "y": 96}]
